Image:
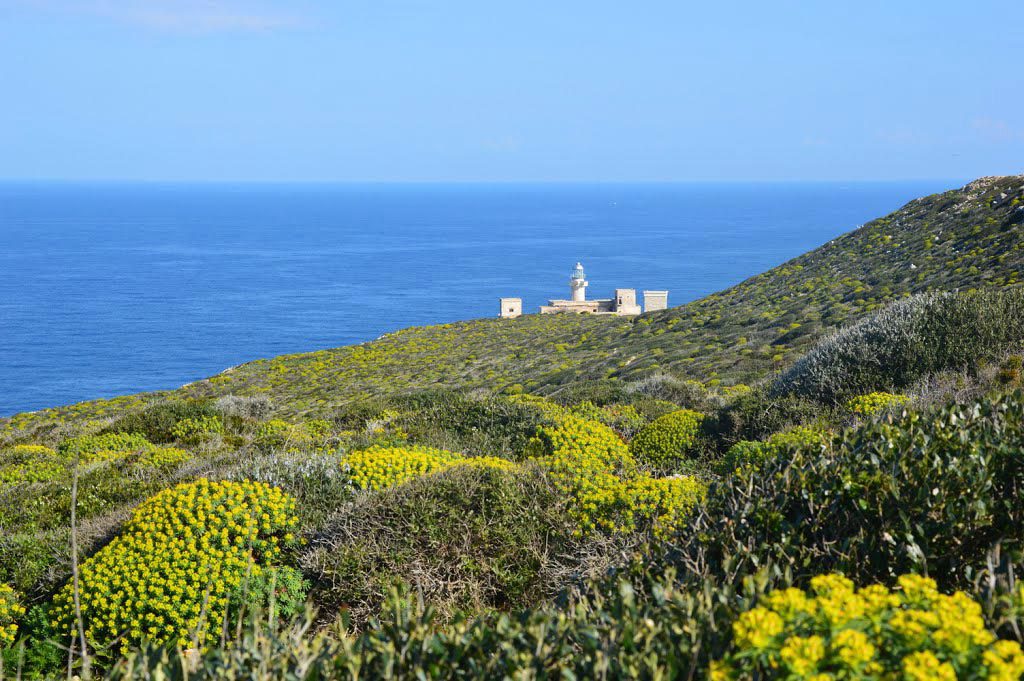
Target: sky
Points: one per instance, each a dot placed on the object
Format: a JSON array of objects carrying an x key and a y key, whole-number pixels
[{"x": 471, "y": 90}]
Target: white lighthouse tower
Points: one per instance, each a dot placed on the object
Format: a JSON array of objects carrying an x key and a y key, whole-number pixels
[{"x": 578, "y": 284}]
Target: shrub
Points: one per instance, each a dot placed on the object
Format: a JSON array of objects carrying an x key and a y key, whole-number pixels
[
  {"x": 195, "y": 430},
  {"x": 280, "y": 590},
  {"x": 757, "y": 416},
  {"x": 103, "y": 447},
  {"x": 669, "y": 439},
  {"x": 255, "y": 408},
  {"x": 930, "y": 492},
  {"x": 906, "y": 341},
  {"x": 156, "y": 423},
  {"x": 23, "y": 464},
  {"x": 276, "y": 434},
  {"x": 837, "y": 631},
  {"x": 589, "y": 444},
  {"x": 468, "y": 538},
  {"x": 753, "y": 454},
  {"x": 280, "y": 436},
  {"x": 170, "y": 573},
  {"x": 155, "y": 457},
  {"x": 875, "y": 403},
  {"x": 595, "y": 470},
  {"x": 624, "y": 419},
  {"x": 11, "y": 611},
  {"x": 660, "y": 386},
  {"x": 378, "y": 468}
]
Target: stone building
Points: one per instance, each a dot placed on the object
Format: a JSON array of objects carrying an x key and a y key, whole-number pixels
[{"x": 624, "y": 303}]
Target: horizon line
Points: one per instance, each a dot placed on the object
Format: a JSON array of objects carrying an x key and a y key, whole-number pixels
[{"x": 280, "y": 182}]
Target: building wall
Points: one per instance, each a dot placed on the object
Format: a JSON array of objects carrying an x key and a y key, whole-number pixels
[
  {"x": 577, "y": 307},
  {"x": 655, "y": 300},
  {"x": 511, "y": 307},
  {"x": 625, "y": 301}
]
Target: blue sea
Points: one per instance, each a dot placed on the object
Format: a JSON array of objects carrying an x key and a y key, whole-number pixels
[{"x": 108, "y": 289}]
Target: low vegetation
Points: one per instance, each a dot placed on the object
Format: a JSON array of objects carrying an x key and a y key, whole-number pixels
[{"x": 816, "y": 474}]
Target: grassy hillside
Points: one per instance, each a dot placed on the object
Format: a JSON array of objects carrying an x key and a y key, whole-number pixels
[{"x": 961, "y": 239}]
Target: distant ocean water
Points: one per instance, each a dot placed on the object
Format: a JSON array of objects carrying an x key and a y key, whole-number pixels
[{"x": 108, "y": 289}]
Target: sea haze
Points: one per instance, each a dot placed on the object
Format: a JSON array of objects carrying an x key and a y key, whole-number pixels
[{"x": 107, "y": 289}]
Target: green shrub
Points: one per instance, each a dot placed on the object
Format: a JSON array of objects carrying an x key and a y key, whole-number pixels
[
  {"x": 906, "y": 341},
  {"x": 280, "y": 436},
  {"x": 669, "y": 439},
  {"x": 624, "y": 419},
  {"x": 195, "y": 430},
  {"x": 746, "y": 453},
  {"x": 932, "y": 492},
  {"x": 279, "y": 591},
  {"x": 156, "y": 423},
  {"x": 468, "y": 538},
  {"x": 757, "y": 416}
]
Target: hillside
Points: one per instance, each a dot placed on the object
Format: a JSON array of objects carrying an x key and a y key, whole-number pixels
[
  {"x": 557, "y": 492},
  {"x": 965, "y": 238}
]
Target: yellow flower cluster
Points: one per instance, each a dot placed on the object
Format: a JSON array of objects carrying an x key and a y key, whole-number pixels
[
  {"x": 30, "y": 463},
  {"x": 10, "y": 611},
  {"x": 381, "y": 467},
  {"x": 154, "y": 457},
  {"x": 873, "y": 403},
  {"x": 668, "y": 438},
  {"x": 593, "y": 467},
  {"x": 195, "y": 430},
  {"x": 665, "y": 501},
  {"x": 30, "y": 451},
  {"x": 168, "y": 577},
  {"x": 105, "y": 447},
  {"x": 582, "y": 442},
  {"x": 839, "y": 632}
]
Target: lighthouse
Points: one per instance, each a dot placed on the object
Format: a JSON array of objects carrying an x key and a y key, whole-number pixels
[{"x": 578, "y": 284}]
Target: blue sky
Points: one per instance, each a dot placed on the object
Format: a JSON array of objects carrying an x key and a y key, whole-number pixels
[{"x": 387, "y": 90}]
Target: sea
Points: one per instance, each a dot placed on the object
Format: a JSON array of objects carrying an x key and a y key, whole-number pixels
[{"x": 112, "y": 288}]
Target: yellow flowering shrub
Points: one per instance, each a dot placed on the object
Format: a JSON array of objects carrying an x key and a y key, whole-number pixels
[
  {"x": 10, "y": 611},
  {"x": 874, "y": 403},
  {"x": 582, "y": 442},
  {"x": 195, "y": 430},
  {"x": 167, "y": 578},
  {"x": 380, "y": 467},
  {"x": 666, "y": 502},
  {"x": 30, "y": 463},
  {"x": 154, "y": 457},
  {"x": 836, "y": 631},
  {"x": 752, "y": 453},
  {"x": 667, "y": 439},
  {"x": 591, "y": 465},
  {"x": 30, "y": 451},
  {"x": 105, "y": 447},
  {"x": 278, "y": 435}
]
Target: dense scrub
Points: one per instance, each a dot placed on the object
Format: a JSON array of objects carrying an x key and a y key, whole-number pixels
[
  {"x": 474, "y": 539},
  {"x": 937, "y": 494},
  {"x": 907, "y": 341}
]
